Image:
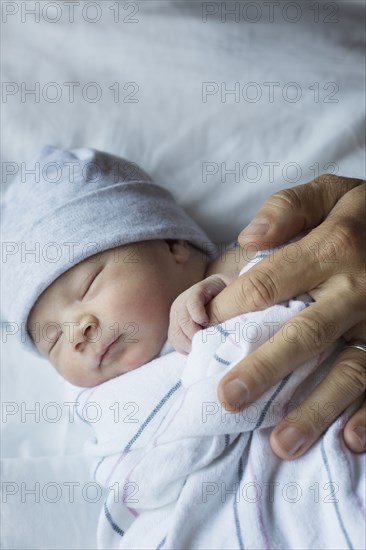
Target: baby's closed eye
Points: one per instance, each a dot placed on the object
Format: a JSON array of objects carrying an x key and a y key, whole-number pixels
[
  {"x": 56, "y": 341},
  {"x": 90, "y": 283}
]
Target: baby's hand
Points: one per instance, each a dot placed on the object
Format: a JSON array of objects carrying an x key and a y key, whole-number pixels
[{"x": 188, "y": 314}]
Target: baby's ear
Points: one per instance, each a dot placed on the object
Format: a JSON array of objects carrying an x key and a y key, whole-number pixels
[{"x": 181, "y": 250}]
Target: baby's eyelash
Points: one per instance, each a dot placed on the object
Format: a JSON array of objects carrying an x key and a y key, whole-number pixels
[
  {"x": 90, "y": 284},
  {"x": 55, "y": 342}
]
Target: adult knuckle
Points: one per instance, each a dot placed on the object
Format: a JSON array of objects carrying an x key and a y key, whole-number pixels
[
  {"x": 340, "y": 182},
  {"x": 350, "y": 240},
  {"x": 342, "y": 245},
  {"x": 333, "y": 187},
  {"x": 353, "y": 285},
  {"x": 287, "y": 198},
  {"x": 347, "y": 234},
  {"x": 260, "y": 291},
  {"x": 263, "y": 375},
  {"x": 325, "y": 415},
  {"x": 328, "y": 179},
  {"x": 311, "y": 418},
  {"x": 352, "y": 372},
  {"x": 313, "y": 334}
]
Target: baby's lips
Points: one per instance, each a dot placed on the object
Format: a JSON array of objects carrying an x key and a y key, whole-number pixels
[{"x": 105, "y": 347}]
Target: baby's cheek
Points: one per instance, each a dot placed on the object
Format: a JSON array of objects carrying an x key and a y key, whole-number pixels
[
  {"x": 67, "y": 366},
  {"x": 139, "y": 354}
]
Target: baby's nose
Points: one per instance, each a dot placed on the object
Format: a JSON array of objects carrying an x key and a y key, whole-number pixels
[{"x": 88, "y": 330}]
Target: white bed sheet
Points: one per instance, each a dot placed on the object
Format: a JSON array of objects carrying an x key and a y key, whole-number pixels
[{"x": 171, "y": 132}]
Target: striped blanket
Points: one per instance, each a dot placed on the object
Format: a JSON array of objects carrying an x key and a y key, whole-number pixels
[{"x": 181, "y": 472}]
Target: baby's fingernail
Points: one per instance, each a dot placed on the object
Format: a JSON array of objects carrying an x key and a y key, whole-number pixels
[
  {"x": 235, "y": 392},
  {"x": 259, "y": 226},
  {"x": 291, "y": 440},
  {"x": 360, "y": 431}
]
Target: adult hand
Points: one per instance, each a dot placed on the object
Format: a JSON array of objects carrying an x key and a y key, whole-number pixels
[{"x": 330, "y": 263}]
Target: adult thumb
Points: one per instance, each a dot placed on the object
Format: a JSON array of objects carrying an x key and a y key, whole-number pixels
[{"x": 288, "y": 212}]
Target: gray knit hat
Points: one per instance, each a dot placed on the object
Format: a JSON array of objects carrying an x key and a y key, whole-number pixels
[{"x": 69, "y": 205}]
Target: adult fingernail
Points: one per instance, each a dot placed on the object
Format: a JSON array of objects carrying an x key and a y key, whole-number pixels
[
  {"x": 235, "y": 393},
  {"x": 259, "y": 226},
  {"x": 360, "y": 431},
  {"x": 291, "y": 440}
]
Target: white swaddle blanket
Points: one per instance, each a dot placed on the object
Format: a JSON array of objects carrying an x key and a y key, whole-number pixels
[{"x": 182, "y": 472}]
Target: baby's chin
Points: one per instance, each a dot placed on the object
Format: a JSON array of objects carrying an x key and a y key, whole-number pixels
[
  {"x": 131, "y": 359},
  {"x": 136, "y": 358}
]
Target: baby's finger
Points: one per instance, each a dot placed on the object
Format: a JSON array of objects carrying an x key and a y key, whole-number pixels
[
  {"x": 178, "y": 339},
  {"x": 303, "y": 426},
  {"x": 190, "y": 328},
  {"x": 181, "y": 323},
  {"x": 197, "y": 312},
  {"x": 181, "y": 343}
]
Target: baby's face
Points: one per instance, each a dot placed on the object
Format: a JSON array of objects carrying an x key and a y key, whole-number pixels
[{"x": 110, "y": 313}]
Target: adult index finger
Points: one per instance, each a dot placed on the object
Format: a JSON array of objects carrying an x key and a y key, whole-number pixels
[
  {"x": 283, "y": 274},
  {"x": 302, "y": 338}
]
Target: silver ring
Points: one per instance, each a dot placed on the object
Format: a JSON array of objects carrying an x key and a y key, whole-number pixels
[{"x": 356, "y": 344}]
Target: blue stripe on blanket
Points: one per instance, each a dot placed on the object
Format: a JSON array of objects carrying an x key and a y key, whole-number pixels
[
  {"x": 161, "y": 543},
  {"x": 335, "y": 502},
  {"x": 153, "y": 413},
  {"x": 236, "y": 516},
  {"x": 143, "y": 426},
  {"x": 222, "y": 331},
  {"x": 221, "y": 360},
  {"x": 114, "y": 525},
  {"x": 269, "y": 403}
]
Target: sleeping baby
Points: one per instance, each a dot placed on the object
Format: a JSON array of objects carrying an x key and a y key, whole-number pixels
[{"x": 112, "y": 253}]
